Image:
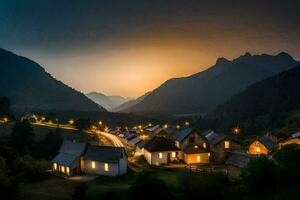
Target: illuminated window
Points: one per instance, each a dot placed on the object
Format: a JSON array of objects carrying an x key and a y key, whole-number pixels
[
  {"x": 106, "y": 167},
  {"x": 226, "y": 144},
  {"x": 55, "y": 166},
  {"x": 160, "y": 155},
  {"x": 93, "y": 165},
  {"x": 208, "y": 154},
  {"x": 198, "y": 159},
  {"x": 177, "y": 144},
  {"x": 173, "y": 154},
  {"x": 62, "y": 169},
  {"x": 257, "y": 149},
  {"x": 204, "y": 145},
  {"x": 67, "y": 170}
]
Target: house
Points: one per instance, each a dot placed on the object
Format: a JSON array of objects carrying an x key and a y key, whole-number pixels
[
  {"x": 263, "y": 145},
  {"x": 132, "y": 143},
  {"x": 166, "y": 132},
  {"x": 189, "y": 137},
  {"x": 160, "y": 150},
  {"x": 140, "y": 148},
  {"x": 105, "y": 160},
  {"x": 69, "y": 159},
  {"x": 294, "y": 139},
  {"x": 220, "y": 145},
  {"x": 195, "y": 154},
  {"x": 235, "y": 162}
]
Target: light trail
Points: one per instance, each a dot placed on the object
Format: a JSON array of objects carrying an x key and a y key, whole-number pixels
[{"x": 114, "y": 139}]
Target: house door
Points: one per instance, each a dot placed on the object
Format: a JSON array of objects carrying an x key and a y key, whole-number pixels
[{"x": 169, "y": 157}]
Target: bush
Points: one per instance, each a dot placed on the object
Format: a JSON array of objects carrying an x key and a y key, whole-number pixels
[
  {"x": 261, "y": 175},
  {"x": 80, "y": 192},
  {"x": 26, "y": 169}
]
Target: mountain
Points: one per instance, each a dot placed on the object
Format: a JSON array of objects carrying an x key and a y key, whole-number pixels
[
  {"x": 108, "y": 102},
  {"x": 202, "y": 92},
  {"x": 130, "y": 103},
  {"x": 30, "y": 88},
  {"x": 262, "y": 106}
]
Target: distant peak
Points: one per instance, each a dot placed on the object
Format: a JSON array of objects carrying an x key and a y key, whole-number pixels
[
  {"x": 222, "y": 60},
  {"x": 247, "y": 54},
  {"x": 285, "y": 55}
]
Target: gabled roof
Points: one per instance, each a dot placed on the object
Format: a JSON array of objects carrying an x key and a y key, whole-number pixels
[
  {"x": 239, "y": 160},
  {"x": 170, "y": 129},
  {"x": 72, "y": 148},
  {"x": 192, "y": 149},
  {"x": 65, "y": 159},
  {"x": 134, "y": 141},
  {"x": 160, "y": 144},
  {"x": 297, "y": 134},
  {"x": 140, "y": 144},
  {"x": 212, "y": 137},
  {"x": 182, "y": 134},
  {"x": 104, "y": 154},
  {"x": 130, "y": 137},
  {"x": 267, "y": 142}
]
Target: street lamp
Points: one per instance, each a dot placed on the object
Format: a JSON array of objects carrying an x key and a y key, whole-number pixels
[
  {"x": 236, "y": 130},
  {"x": 186, "y": 123},
  {"x": 100, "y": 123},
  {"x": 71, "y": 121}
]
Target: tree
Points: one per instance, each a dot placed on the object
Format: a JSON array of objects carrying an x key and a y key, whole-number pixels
[
  {"x": 22, "y": 137},
  {"x": 148, "y": 184},
  {"x": 83, "y": 124},
  {"x": 261, "y": 175},
  {"x": 80, "y": 192},
  {"x": 4, "y": 107}
]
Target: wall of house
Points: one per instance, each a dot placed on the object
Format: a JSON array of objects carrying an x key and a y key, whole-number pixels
[
  {"x": 123, "y": 165},
  {"x": 197, "y": 140},
  {"x": 113, "y": 168},
  {"x": 218, "y": 151},
  {"x": 290, "y": 141},
  {"x": 192, "y": 158},
  {"x": 74, "y": 169},
  {"x": 257, "y": 148},
  {"x": 153, "y": 158}
]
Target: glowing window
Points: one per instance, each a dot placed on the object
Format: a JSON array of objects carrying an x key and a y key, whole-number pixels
[
  {"x": 204, "y": 145},
  {"x": 198, "y": 159},
  {"x": 62, "y": 169},
  {"x": 160, "y": 155},
  {"x": 208, "y": 154},
  {"x": 67, "y": 170},
  {"x": 54, "y": 166},
  {"x": 93, "y": 165},
  {"x": 173, "y": 154},
  {"x": 106, "y": 167},
  {"x": 226, "y": 144},
  {"x": 258, "y": 149}
]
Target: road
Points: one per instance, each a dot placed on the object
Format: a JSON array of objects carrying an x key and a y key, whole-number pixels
[{"x": 115, "y": 141}]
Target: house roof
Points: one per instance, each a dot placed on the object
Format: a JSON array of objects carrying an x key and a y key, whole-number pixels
[
  {"x": 182, "y": 134},
  {"x": 152, "y": 129},
  {"x": 72, "y": 148},
  {"x": 130, "y": 137},
  {"x": 205, "y": 133},
  {"x": 65, "y": 159},
  {"x": 104, "y": 153},
  {"x": 160, "y": 144},
  {"x": 134, "y": 141},
  {"x": 238, "y": 159},
  {"x": 267, "y": 142},
  {"x": 141, "y": 144},
  {"x": 192, "y": 149},
  {"x": 297, "y": 134}
]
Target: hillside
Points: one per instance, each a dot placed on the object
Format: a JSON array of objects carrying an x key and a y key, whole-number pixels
[
  {"x": 30, "y": 88},
  {"x": 130, "y": 103},
  {"x": 204, "y": 91},
  {"x": 108, "y": 102},
  {"x": 263, "y": 106}
]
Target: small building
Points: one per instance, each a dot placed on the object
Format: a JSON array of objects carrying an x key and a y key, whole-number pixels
[
  {"x": 105, "y": 160},
  {"x": 294, "y": 139},
  {"x": 140, "y": 148},
  {"x": 235, "y": 162},
  {"x": 263, "y": 145},
  {"x": 69, "y": 159},
  {"x": 189, "y": 137},
  {"x": 195, "y": 154},
  {"x": 160, "y": 150},
  {"x": 132, "y": 143},
  {"x": 220, "y": 145}
]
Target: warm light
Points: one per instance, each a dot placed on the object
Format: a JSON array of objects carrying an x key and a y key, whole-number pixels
[
  {"x": 67, "y": 170},
  {"x": 258, "y": 149},
  {"x": 62, "y": 169},
  {"x": 226, "y": 144},
  {"x": 198, "y": 159},
  {"x": 178, "y": 126},
  {"x": 106, "y": 167},
  {"x": 5, "y": 119},
  {"x": 208, "y": 154},
  {"x": 140, "y": 126},
  {"x": 93, "y": 165},
  {"x": 236, "y": 130},
  {"x": 71, "y": 122},
  {"x": 100, "y": 123},
  {"x": 173, "y": 154},
  {"x": 55, "y": 166},
  {"x": 196, "y": 146},
  {"x": 186, "y": 123},
  {"x": 204, "y": 145},
  {"x": 166, "y": 126},
  {"x": 160, "y": 155},
  {"x": 43, "y": 118},
  {"x": 149, "y": 124}
]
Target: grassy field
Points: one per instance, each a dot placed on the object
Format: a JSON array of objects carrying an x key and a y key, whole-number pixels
[{"x": 61, "y": 189}]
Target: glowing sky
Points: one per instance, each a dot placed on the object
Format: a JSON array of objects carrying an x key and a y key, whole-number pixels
[{"x": 127, "y": 48}]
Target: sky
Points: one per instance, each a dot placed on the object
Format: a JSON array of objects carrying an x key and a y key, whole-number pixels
[{"x": 130, "y": 47}]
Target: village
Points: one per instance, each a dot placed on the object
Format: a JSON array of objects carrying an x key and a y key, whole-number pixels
[{"x": 167, "y": 146}]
